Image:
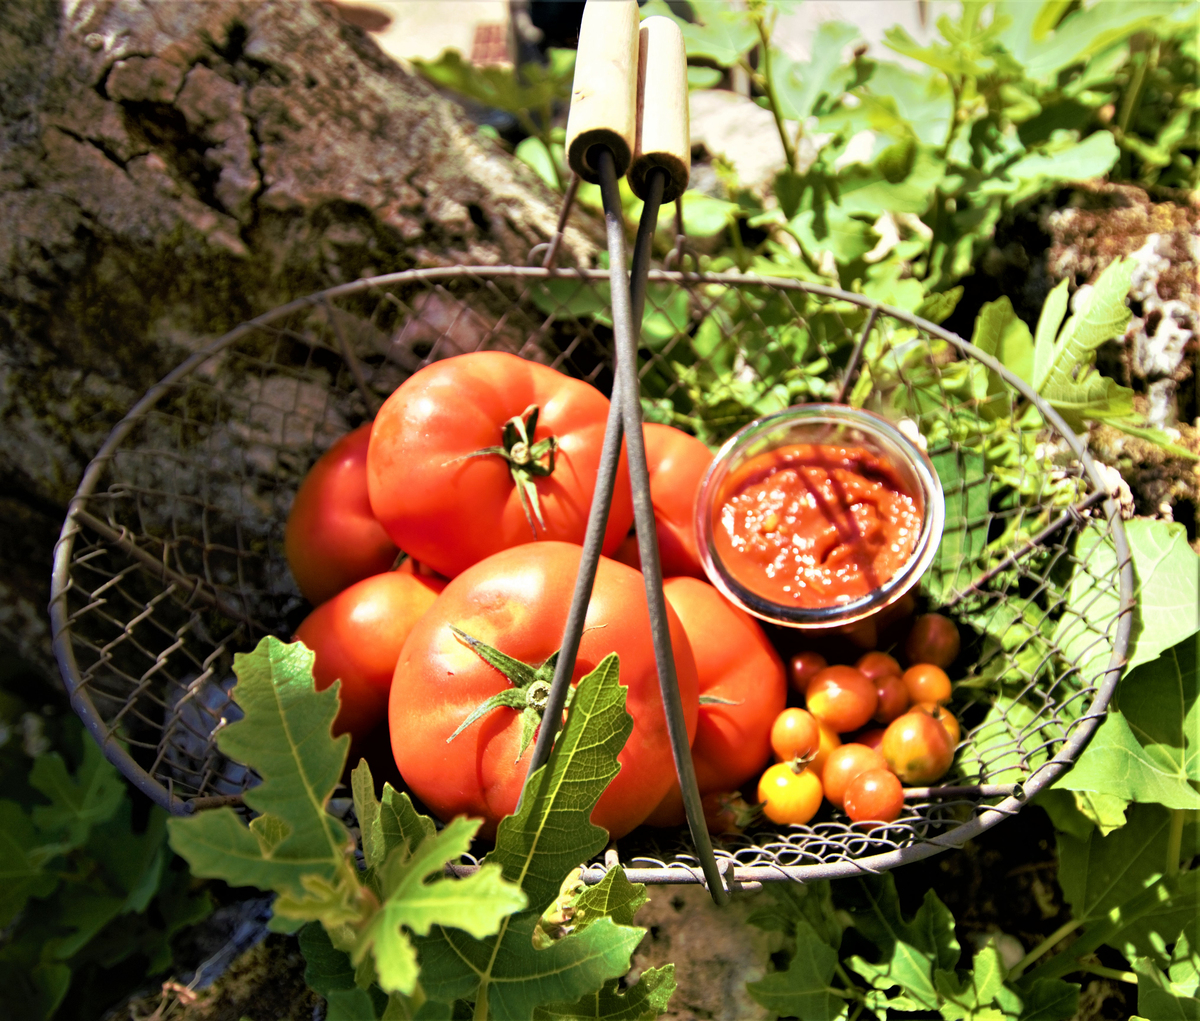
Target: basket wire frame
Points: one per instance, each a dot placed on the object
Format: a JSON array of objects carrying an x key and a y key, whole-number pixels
[{"x": 171, "y": 560}]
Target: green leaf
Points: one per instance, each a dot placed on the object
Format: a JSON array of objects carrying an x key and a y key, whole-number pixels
[
  {"x": 1159, "y": 998},
  {"x": 965, "y": 486},
  {"x": 1050, "y": 999},
  {"x": 22, "y": 860},
  {"x": 799, "y": 85},
  {"x": 723, "y": 36},
  {"x": 394, "y": 823},
  {"x": 76, "y": 805},
  {"x": 285, "y": 737},
  {"x": 550, "y": 835},
  {"x": 476, "y": 904},
  {"x": 1091, "y": 158},
  {"x": 1047, "y": 330},
  {"x": 922, "y": 103},
  {"x": 1001, "y": 334},
  {"x": 804, "y": 989},
  {"x": 328, "y": 971},
  {"x": 641, "y": 1002},
  {"x": 703, "y": 215},
  {"x": 613, "y": 897}
]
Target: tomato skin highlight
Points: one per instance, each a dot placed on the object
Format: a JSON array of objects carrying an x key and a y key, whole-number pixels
[
  {"x": 331, "y": 539},
  {"x": 926, "y": 683},
  {"x": 917, "y": 748},
  {"x": 874, "y": 795},
  {"x": 934, "y": 639},
  {"x": 734, "y": 661},
  {"x": 842, "y": 697},
  {"x": 803, "y": 667},
  {"x": 517, "y": 601},
  {"x": 843, "y": 765},
  {"x": 357, "y": 637},
  {"x": 788, "y": 797},
  {"x": 450, "y": 509}
]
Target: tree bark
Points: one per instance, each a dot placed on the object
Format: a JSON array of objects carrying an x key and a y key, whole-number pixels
[{"x": 168, "y": 170}]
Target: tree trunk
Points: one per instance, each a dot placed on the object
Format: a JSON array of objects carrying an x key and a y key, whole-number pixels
[{"x": 168, "y": 170}]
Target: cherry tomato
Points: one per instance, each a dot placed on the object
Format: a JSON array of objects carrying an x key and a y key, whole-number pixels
[
  {"x": 357, "y": 637},
  {"x": 517, "y": 601},
  {"x": 945, "y": 717},
  {"x": 875, "y": 665},
  {"x": 893, "y": 698},
  {"x": 933, "y": 639},
  {"x": 803, "y": 667},
  {"x": 872, "y": 738},
  {"x": 917, "y": 748},
  {"x": 843, "y": 765},
  {"x": 795, "y": 734},
  {"x": 841, "y": 697},
  {"x": 789, "y": 797},
  {"x": 332, "y": 539},
  {"x": 736, "y": 663},
  {"x": 453, "y": 480},
  {"x": 727, "y": 812},
  {"x": 875, "y": 794},
  {"x": 927, "y": 683},
  {"x": 829, "y": 742}
]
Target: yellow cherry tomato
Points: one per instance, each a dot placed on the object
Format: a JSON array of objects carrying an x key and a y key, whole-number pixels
[{"x": 789, "y": 797}]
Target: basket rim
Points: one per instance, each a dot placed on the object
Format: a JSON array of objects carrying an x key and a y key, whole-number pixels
[{"x": 1081, "y": 729}]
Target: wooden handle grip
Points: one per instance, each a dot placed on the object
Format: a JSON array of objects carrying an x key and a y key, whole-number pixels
[
  {"x": 663, "y": 138},
  {"x": 604, "y": 94}
]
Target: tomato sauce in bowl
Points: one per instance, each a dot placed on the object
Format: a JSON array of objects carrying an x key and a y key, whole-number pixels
[
  {"x": 816, "y": 525},
  {"x": 819, "y": 516}
]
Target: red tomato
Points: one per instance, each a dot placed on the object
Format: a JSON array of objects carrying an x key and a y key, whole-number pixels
[
  {"x": 945, "y": 717},
  {"x": 844, "y": 764},
  {"x": 803, "y": 667},
  {"x": 517, "y": 602},
  {"x": 677, "y": 464},
  {"x": 842, "y": 698},
  {"x": 332, "y": 538},
  {"x": 917, "y": 748},
  {"x": 788, "y": 796},
  {"x": 875, "y": 665},
  {"x": 893, "y": 698},
  {"x": 357, "y": 637},
  {"x": 872, "y": 738},
  {"x": 933, "y": 639},
  {"x": 443, "y": 492},
  {"x": 734, "y": 662},
  {"x": 875, "y": 795}
]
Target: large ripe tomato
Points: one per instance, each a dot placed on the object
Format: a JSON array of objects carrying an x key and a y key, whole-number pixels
[
  {"x": 737, "y": 664},
  {"x": 453, "y": 480},
  {"x": 357, "y": 637},
  {"x": 517, "y": 602},
  {"x": 676, "y": 463},
  {"x": 332, "y": 538}
]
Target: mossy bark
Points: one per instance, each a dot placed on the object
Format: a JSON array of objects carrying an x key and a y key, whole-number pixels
[{"x": 168, "y": 170}]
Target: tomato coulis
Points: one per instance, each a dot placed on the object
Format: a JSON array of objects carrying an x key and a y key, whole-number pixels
[{"x": 816, "y": 525}]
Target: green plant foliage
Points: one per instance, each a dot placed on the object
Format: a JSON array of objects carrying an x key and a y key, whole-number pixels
[
  {"x": 505, "y": 976},
  {"x": 76, "y": 880},
  {"x": 805, "y": 988}
]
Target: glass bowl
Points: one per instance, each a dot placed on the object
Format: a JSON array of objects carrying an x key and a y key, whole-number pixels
[{"x": 819, "y": 425}]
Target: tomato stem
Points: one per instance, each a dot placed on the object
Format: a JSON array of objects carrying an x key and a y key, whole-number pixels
[
  {"x": 527, "y": 461},
  {"x": 528, "y": 696}
]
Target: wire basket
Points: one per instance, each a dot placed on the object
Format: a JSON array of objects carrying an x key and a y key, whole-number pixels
[{"x": 171, "y": 556}]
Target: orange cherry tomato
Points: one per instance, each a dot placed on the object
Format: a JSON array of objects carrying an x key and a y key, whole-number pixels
[
  {"x": 945, "y": 717},
  {"x": 803, "y": 667},
  {"x": 917, "y": 748},
  {"x": 933, "y": 639},
  {"x": 927, "y": 683},
  {"x": 842, "y": 697},
  {"x": 843, "y": 765},
  {"x": 875, "y": 665},
  {"x": 875, "y": 794},
  {"x": 357, "y": 637},
  {"x": 788, "y": 797},
  {"x": 795, "y": 734},
  {"x": 893, "y": 698}
]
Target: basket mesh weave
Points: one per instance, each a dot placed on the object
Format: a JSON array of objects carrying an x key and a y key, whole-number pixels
[{"x": 171, "y": 559}]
